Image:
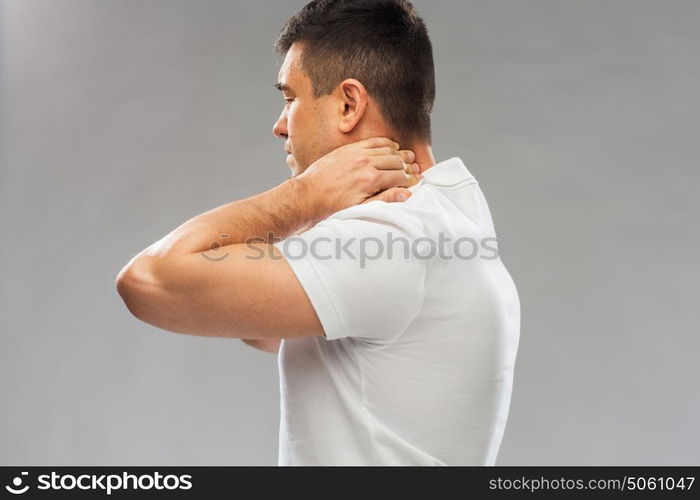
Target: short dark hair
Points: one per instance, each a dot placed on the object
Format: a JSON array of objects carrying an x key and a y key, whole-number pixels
[{"x": 382, "y": 43}]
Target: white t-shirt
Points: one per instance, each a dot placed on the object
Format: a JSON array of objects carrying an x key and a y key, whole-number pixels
[{"x": 416, "y": 365}]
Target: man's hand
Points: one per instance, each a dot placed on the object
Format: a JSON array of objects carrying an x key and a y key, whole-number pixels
[{"x": 371, "y": 169}]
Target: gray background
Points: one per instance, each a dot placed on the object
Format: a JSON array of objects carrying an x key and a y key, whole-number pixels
[{"x": 121, "y": 120}]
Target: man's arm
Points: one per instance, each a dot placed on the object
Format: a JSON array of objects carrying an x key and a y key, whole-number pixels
[{"x": 202, "y": 279}]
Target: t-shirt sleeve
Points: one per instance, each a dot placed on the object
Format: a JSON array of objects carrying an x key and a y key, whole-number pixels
[{"x": 361, "y": 273}]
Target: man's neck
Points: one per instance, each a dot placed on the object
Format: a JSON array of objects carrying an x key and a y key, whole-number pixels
[{"x": 424, "y": 156}]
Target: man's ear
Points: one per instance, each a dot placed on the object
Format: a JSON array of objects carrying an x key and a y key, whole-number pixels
[{"x": 353, "y": 102}]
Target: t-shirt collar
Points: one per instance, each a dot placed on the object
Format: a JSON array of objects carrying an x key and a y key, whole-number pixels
[{"x": 447, "y": 173}]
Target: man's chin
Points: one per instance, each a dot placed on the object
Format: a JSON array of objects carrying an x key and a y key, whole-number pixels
[{"x": 291, "y": 162}]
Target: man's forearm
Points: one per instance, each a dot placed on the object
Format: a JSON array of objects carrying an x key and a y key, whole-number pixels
[{"x": 276, "y": 213}]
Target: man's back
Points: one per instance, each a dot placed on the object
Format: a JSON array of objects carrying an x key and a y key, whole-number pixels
[{"x": 422, "y": 324}]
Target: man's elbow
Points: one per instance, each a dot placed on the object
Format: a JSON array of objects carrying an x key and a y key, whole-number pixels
[
  {"x": 125, "y": 287},
  {"x": 151, "y": 298},
  {"x": 132, "y": 282}
]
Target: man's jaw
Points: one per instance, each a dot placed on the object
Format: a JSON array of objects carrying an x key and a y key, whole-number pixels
[{"x": 291, "y": 163}]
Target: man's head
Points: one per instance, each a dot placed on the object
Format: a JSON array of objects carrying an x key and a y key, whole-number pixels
[{"x": 354, "y": 69}]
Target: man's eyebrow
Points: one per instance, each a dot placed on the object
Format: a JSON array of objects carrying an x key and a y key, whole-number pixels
[{"x": 282, "y": 87}]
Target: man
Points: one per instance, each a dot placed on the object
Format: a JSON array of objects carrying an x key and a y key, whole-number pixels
[{"x": 396, "y": 322}]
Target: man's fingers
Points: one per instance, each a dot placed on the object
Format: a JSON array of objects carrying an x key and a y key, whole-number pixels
[
  {"x": 384, "y": 150},
  {"x": 388, "y": 162},
  {"x": 377, "y": 142},
  {"x": 394, "y": 162},
  {"x": 396, "y": 178},
  {"x": 407, "y": 155}
]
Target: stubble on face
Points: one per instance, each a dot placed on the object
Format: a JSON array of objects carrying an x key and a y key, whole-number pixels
[
  {"x": 307, "y": 132},
  {"x": 309, "y": 127}
]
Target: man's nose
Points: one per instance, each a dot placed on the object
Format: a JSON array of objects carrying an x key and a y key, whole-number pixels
[{"x": 280, "y": 127}]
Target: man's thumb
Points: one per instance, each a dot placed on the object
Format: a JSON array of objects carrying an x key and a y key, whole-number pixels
[{"x": 392, "y": 195}]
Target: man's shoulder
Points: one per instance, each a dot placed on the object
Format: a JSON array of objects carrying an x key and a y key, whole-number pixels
[
  {"x": 424, "y": 214},
  {"x": 420, "y": 203},
  {"x": 427, "y": 210},
  {"x": 409, "y": 216}
]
